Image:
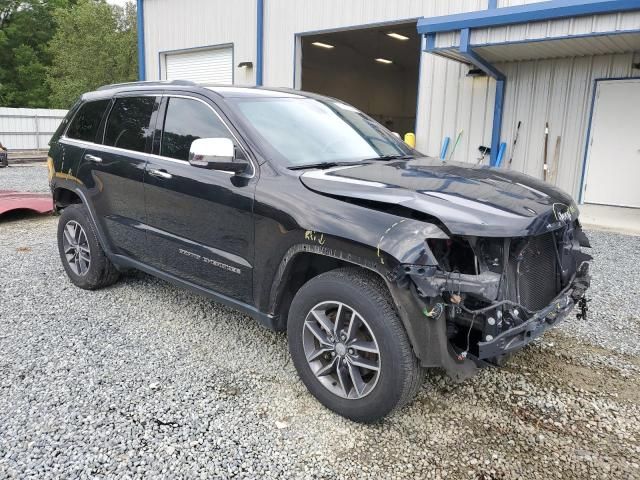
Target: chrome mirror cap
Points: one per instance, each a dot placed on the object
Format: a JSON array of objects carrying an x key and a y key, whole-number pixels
[{"x": 211, "y": 152}]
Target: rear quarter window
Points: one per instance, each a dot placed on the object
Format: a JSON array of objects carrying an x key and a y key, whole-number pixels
[{"x": 86, "y": 122}]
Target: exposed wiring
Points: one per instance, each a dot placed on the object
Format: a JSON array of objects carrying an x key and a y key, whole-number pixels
[{"x": 464, "y": 354}]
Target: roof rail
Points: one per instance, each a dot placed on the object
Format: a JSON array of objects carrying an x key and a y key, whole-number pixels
[{"x": 149, "y": 83}]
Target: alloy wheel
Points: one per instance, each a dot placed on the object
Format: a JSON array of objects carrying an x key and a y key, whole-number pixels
[
  {"x": 341, "y": 350},
  {"x": 76, "y": 248}
]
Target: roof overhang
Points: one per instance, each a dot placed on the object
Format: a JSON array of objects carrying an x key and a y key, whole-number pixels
[
  {"x": 534, "y": 12},
  {"x": 540, "y": 30}
]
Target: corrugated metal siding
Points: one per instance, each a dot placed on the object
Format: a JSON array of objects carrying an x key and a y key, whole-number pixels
[
  {"x": 615, "y": 22},
  {"x": 176, "y": 25},
  {"x": 569, "y": 47},
  {"x": 285, "y": 18},
  {"x": 558, "y": 91},
  {"x": 514, "y": 3},
  {"x": 28, "y": 128},
  {"x": 203, "y": 66},
  {"x": 451, "y": 102}
]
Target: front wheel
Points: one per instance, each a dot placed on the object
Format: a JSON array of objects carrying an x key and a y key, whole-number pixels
[{"x": 349, "y": 346}]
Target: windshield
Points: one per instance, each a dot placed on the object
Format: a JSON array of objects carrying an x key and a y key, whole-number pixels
[{"x": 308, "y": 131}]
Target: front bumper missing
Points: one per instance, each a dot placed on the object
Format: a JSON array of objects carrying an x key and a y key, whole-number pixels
[{"x": 517, "y": 337}]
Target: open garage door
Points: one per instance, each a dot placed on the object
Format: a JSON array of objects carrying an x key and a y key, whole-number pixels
[
  {"x": 375, "y": 69},
  {"x": 213, "y": 65}
]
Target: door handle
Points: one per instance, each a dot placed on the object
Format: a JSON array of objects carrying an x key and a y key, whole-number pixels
[
  {"x": 92, "y": 158},
  {"x": 160, "y": 174}
]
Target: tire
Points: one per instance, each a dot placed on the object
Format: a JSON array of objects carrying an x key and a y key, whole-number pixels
[
  {"x": 377, "y": 327},
  {"x": 98, "y": 272}
]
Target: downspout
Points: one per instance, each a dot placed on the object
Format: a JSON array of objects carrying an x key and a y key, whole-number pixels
[
  {"x": 467, "y": 52},
  {"x": 142, "y": 75},
  {"x": 259, "y": 40}
]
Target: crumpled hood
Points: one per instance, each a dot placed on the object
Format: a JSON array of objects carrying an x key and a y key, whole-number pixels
[{"x": 468, "y": 200}]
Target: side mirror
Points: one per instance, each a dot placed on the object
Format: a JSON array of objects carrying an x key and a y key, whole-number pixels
[{"x": 215, "y": 154}]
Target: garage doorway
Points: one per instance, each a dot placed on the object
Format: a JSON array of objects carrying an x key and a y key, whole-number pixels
[
  {"x": 613, "y": 158},
  {"x": 375, "y": 69}
]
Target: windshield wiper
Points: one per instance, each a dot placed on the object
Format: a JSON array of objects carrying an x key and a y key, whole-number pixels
[
  {"x": 322, "y": 165},
  {"x": 392, "y": 157}
]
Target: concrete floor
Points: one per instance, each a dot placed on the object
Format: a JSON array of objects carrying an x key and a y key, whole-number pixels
[{"x": 616, "y": 219}]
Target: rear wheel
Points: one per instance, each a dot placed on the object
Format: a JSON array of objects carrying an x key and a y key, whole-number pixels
[
  {"x": 82, "y": 257},
  {"x": 349, "y": 346}
]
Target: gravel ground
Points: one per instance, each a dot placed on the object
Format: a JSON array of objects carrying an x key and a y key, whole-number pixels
[
  {"x": 30, "y": 177},
  {"x": 144, "y": 379}
]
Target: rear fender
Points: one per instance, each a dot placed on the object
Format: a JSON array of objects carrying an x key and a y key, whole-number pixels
[{"x": 61, "y": 181}]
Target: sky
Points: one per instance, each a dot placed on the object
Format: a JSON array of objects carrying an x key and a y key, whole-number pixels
[{"x": 117, "y": 2}]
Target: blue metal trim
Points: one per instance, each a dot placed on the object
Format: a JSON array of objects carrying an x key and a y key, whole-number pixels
[
  {"x": 583, "y": 176},
  {"x": 467, "y": 52},
  {"x": 534, "y": 12},
  {"x": 492, "y": 4},
  {"x": 142, "y": 70},
  {"x": 295, "y": 62},
  {"x": 431, "y": 42},
  {"x": 475, "y": 59},
  {"x": 415, "y": 124},
  {"x": 259, "y": 40}
]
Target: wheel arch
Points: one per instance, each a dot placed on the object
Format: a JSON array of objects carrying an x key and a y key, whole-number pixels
[
  {"x": 303, "y": 262},
  {"x": 64, "y": 196},
  {"x": 67, "y": 192}
]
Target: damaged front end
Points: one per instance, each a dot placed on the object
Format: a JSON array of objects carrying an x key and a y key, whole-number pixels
[{"x": 482, "y": 298}]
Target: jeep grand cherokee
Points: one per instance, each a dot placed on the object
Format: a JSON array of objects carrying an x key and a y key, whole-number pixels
[{"x": 309, "y": 216}]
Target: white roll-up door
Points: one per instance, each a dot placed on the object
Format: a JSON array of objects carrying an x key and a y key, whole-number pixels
[{"x": 202, "y": 66}]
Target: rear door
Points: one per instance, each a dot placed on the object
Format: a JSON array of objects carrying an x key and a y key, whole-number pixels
[
  {"x": 83, "y": 131},
  {"x": 200, "y": 221},
  {"x": 113, "y": 172}
]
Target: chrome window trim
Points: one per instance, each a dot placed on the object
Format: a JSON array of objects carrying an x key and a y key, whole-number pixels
[
  {"x": 237, "y": 141},
  {"x": 83, "y": 143}
]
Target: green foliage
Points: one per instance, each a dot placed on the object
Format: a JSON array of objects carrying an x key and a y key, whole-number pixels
[
  {"x": 25, "y": 29},
  {"x": 51, "y": 51},
  {"x": 95, "y": 44}
]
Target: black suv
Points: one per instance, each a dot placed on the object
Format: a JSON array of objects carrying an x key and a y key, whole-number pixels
[{"x": 306, "y": 214}]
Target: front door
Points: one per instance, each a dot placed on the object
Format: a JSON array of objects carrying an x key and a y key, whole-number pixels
[
  {"x": 613, "y": 161},
  {"x": 200, "y": 222}
]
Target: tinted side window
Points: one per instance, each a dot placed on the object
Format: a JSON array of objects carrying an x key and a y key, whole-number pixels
[
  {"x": 128, "y": 124},
  {"x": 86, "y": 122},
  {"x": 187, "y": 120}
]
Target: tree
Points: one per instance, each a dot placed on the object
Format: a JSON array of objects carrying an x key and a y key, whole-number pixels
[
  {"x": 94, "y": 45},
  {"x": 25, "y": 30}
]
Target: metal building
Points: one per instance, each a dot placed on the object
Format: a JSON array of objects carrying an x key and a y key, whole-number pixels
[{"x": 461, "y": 73}]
